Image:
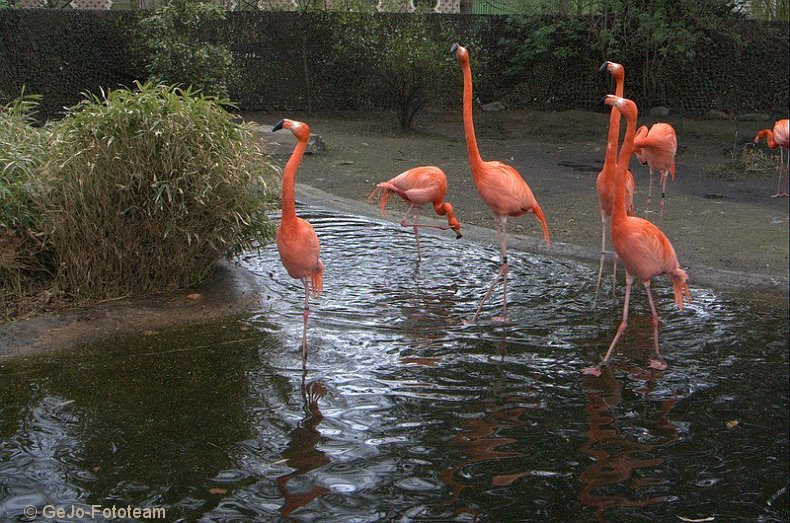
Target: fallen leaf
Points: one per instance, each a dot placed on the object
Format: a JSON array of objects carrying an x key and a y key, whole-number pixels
[
  {"x": 732, "y": 424},
  {"x": 244, "y": 328},
  {"x": 217, "y": 490},
  {"x": 194, "y": 296},
  {"x": 150, "y": 333}
]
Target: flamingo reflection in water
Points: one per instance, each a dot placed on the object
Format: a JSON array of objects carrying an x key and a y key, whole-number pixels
[
  {"x": 622, "y": 462},
  {"x": 301, "y": 453},
  {"x": 481, "y": 440}
]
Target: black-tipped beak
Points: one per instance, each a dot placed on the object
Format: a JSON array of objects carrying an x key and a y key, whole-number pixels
[
  {"x": 453, "y": 48},
  {"x": 603, "y": 67},
  {"x": 458, "y": 234},
  {"x": 603, "y": 100},
  {"x": 278, "y": 126}
]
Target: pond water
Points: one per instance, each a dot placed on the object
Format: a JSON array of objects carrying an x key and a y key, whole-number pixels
[{"x": 403, "y": 414}]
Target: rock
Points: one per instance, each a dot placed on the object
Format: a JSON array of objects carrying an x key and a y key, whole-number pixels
[
  {"x": 492, "y": 107},
  {"x": 715, "y": 114},
  {"x": 659, "y": 110},
  {"x": 752, "y": 117},
  {"x": 283, "y": 142}
]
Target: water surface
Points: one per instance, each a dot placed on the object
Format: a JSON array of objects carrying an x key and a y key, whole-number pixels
[{"x": 404, "y": 414}]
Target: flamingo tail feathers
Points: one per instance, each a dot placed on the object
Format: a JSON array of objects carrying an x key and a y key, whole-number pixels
[
  {"x": 317, "y": 279},
  {"x": 679, "y": 278},
  {"x": 383, "y": 193},
  {"x": 542, "y": 218}
]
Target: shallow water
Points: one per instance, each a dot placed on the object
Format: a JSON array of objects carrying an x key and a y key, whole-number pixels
[{"x": 403, "y": 414}]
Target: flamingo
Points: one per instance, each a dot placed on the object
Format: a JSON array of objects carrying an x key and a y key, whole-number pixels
[
  {"x": 418, "y": 186},
  {"x": 297, "y": 241},
  {"x": 605, "y": 183},
  {"x": 778, "y": 137},
  {"x": 657, "y": 148},
  {"x": 500, "y": 186},
  {"x": 645, "y": 250}
]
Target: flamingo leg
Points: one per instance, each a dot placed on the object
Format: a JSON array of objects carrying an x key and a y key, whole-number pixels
[
  {"x": 663, "y": 175},
  {"x": 649, "y": 191},
  {"x": 614, "y": 272},
  {"x": 779, "y": 193},
  {"x": 654, "y": 363},
  {"x": 405, "y": 223},
  {"x": 501, "y": 222},
  {"x": 603, "y": 254},
  {"x": 624, "y": 323},
  {"x": 306, "y": 314}
]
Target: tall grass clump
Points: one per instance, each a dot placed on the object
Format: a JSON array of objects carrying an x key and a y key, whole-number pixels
[
  {"x": 146, "y": 189},
  {"x": 24, "y": 263}
]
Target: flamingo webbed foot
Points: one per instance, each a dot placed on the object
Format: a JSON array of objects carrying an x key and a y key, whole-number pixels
[
  {"x": 779, "y": 195},
  {"x": 501, "y": 318},
  {"x": 657, "y": 364},
  {"x": 592, "y": 371}
]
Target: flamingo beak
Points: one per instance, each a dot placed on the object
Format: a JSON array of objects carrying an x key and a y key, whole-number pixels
[
  {"x": 603, "y": 67},
  {"x": 453, "y": 48},
  {"x": 457, "y": 232},
  {"x": 278, "y": 126}
]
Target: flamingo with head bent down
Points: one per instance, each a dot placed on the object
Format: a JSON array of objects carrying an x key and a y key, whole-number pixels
[{"x": 417, "y": 187}]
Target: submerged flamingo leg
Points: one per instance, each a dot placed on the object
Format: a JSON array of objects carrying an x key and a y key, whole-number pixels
[
  {"x": 501, "y": 222},
  {"x": 405, "y": 223},
  {"x": 656, "y": 363},
  {"x": 306, "y": 314}
]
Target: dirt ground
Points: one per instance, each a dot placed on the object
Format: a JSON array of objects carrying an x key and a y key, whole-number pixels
[
  {"x": 726, "y": 229},
  {"x": 728, "y": 232}
]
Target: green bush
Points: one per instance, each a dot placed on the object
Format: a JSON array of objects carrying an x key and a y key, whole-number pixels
[
  {"x": 179, "y": 51},
  {"x": 23, "y": 150},
  {"x": 146, "y": 189}
]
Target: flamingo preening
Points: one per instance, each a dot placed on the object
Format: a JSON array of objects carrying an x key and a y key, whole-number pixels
[
  {"x": 657, "y": 147},
  {"x": 605, "y": 183},
  {"x": 779, "y": 137},
  {"x": 644, "y": 249},
  {"x": 500, "y": 186},
  {"x": 418, "y": 186},
  {"x": 297, "y": 241}
]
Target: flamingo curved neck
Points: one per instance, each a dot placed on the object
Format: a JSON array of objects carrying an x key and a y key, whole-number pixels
[
  {"x": 769, "y": 138},
  {"x": 289, "y": 180},
  {"x": 618, "y": 211},
  {"x": 469, "y": 127},
  {"x": 614, "y": 127}
]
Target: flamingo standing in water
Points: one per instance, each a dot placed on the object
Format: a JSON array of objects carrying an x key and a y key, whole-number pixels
[
  {"x": 657, "y": 148},
  {"x": 605, "y": 183},
  {"x": 297, "y": 241},
  {"x": 645, "y": 250},
  {"x": 500, "y": 186},
  {"x": 418, "y": 186},
  {"x": 779, "y": 136}
]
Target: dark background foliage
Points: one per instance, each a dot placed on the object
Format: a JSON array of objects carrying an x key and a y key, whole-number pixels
[{"x": 290, "y": 61}]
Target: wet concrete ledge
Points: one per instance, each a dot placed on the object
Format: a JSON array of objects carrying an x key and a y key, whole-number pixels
[{"x": 233, "y": 291}]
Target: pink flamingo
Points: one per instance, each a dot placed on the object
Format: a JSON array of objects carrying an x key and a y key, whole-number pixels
[
  {"x": 657, "y": 148},
  {"x": 297, "y": 241},
  {"x": 605, "y": 183},
  {"x": 645, "y": 250},
  {"x": 418, "y": 186},
  {"x": 500, "y": 186},
  {"x": 778, "y": 137}
]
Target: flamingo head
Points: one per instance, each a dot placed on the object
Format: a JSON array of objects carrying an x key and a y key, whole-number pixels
[
  {"x": 624, "y": 105},
  {"x": 615, "y": 69},
  {"x": 456, "y": 227},
  {"x": 460, "y": 52},
  {"x": 299, "y": 129}
]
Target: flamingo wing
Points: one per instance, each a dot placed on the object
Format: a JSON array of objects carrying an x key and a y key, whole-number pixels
[
  {"x": 299, "y": 248},
  {"x": 782, "y": 133}
]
